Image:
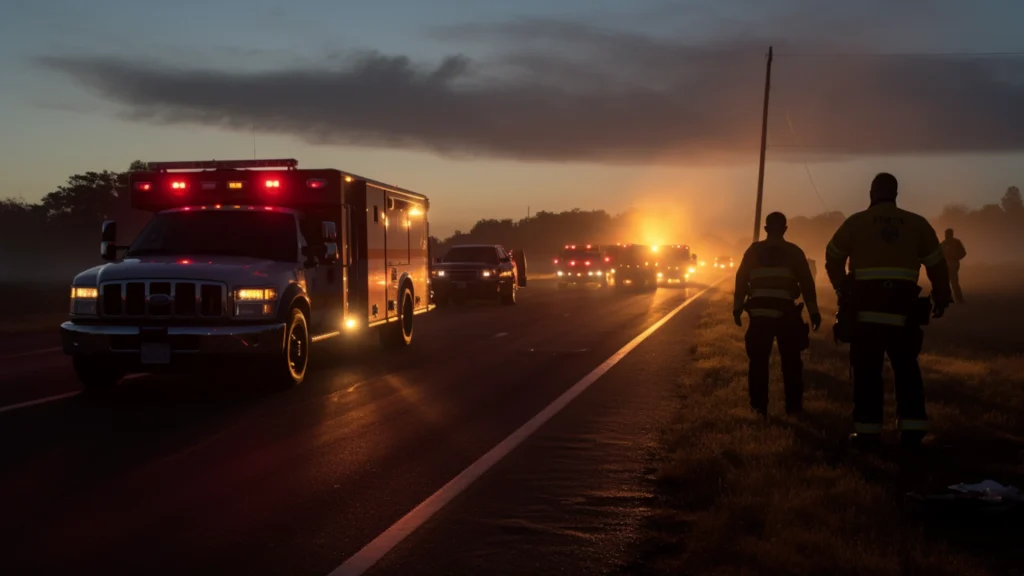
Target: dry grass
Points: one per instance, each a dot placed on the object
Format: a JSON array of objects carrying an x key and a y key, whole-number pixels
[{"x": 789, "y": 497}]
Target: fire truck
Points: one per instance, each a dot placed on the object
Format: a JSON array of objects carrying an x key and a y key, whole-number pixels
[
  {"x": 582, "y": 264},
  {"x": 249, "y": 261}
]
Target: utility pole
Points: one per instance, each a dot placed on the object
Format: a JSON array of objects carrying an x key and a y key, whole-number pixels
[{"x": 764, "y": 145}]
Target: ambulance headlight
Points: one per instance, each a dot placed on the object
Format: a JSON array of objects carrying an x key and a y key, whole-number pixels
[
  {"x": 255, "y": 302},
  {"x": 84, "y": 300}
]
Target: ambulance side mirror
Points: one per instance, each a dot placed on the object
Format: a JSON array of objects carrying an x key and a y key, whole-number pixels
[{"x": 108, "y": 241}]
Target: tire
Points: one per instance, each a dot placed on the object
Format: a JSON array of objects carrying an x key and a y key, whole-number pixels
[
  {"x": 510, "y": 299},
  {"x": 399, "y": 334},
  {"x": 289, "y": 369},
  {"x": 97, "y": 375}
]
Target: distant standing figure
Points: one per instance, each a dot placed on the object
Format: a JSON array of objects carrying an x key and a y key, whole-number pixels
[
  {"x": 953, "y": 250},
  {"x": 772, "y": 275}
]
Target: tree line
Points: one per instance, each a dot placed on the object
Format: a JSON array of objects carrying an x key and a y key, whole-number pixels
[{"x": 49, "y": 240}]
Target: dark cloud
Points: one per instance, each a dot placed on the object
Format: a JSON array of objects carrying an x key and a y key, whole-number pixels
[{"x": 561, "y": 91}]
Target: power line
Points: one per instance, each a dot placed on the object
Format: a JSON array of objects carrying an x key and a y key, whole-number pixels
[
  {"x": 807, "y": 168},
  {"x": 901, "y": 54}
]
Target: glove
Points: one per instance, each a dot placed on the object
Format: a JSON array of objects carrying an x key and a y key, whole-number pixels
[
  {"x": 816, "y": 321},
  {"x": 737, "y": 317}
]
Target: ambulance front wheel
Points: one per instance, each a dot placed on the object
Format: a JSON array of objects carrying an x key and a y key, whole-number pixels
[{"x": 289, "y": 368}]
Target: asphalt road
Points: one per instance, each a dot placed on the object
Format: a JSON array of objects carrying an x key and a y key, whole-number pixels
[{"x": 214, "y": 475}]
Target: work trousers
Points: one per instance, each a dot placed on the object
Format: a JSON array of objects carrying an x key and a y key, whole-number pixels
[
  {"x": 954, "y": 280},
  {"x": 870, "y": 344},
  {"x": 761, "y": 334}
]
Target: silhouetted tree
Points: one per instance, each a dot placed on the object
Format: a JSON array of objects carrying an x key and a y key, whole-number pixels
[{"x": 1012, "y": 202}]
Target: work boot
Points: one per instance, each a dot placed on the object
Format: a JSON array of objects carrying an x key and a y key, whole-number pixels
[{"x": 864, "y": 440}]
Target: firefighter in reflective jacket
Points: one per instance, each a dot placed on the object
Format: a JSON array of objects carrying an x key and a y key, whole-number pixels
[
  {"x": 881, "y": 312},
  {"x": 772, "y": 275}
]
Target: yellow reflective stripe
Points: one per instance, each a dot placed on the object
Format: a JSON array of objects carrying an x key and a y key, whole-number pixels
[
  {"x": 886, "y": 274},
  {"x": 771, "y": 272},
  {"x": 765, "y": 313},
  {"x": 934, "y": 258},
  {"x": 833, "y": 251},
  {"x": 913, "y": 425},
  {"x": 769, "y": 293},
  {"x": 882, "y": 318},
  {"x": 866, "y": 428}
]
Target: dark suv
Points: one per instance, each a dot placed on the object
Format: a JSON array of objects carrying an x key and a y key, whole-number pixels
[{"x": 478, "y": 272}]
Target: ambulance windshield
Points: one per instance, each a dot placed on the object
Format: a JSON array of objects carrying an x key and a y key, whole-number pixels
[{"x": 254, "y": 234}]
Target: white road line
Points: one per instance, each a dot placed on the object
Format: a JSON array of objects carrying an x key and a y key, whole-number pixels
[
  {"x": 31, "y": 353},
  {"x": 39, "y": 401},
  {"x": 56, "y": 397},
  {"x": 370, "y": 554}
]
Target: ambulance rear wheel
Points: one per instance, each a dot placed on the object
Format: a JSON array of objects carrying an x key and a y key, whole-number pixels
[
  {"x": 289, "y": 369},
  {"x": 398, "y": 334}
]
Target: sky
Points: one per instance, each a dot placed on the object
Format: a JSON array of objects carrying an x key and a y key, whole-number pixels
[{"x": 496, "y": 109}]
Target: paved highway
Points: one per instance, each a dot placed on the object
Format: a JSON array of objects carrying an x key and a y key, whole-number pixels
[{"x": 214, "y": 475}]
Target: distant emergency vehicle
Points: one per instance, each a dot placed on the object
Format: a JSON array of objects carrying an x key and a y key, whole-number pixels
[
  {"x": 675, "y": 264},
  {"x": 249, "y": 261},
  {"x": 582, "y": 264},
  {"x": 633, "y": 265}
]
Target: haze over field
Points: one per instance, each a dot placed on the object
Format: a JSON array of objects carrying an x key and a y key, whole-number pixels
[{"x": 496, "y": 113}]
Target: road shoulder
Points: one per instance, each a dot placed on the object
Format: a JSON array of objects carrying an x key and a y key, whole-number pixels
[{"x": 571, "y": 499}]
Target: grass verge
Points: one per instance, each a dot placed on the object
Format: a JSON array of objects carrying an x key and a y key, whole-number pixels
[
  {"x": 788, "y": 496},
  {"x": 32, "y": 307}
]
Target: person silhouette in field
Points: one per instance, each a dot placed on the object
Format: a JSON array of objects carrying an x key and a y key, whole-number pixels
[{"x": 953, "y": 250}]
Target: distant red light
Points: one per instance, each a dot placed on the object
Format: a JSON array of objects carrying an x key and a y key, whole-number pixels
[
  {"x": 316, "y": 183},
  {"x": 184, "y": 261},
  {"x": 587, "y": 263},
  {"x": 572, "y": 262},
  {"x": 556, "y": 260},
  {"x": 143, "y": 186},
  {"x": 607, "y": 259}
]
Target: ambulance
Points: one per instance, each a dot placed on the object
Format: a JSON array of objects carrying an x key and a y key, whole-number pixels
[{"x": 249, "y": 262}]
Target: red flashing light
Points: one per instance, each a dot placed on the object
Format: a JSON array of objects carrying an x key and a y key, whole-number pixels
[
  {"x": 273, "y": 183},
  {"x": 316, "y": 183},
  {"x": 143, "y": 186},
  {"x": 268, "y": 208},
  {"x": 587, "y": 263},
  {"x": 179, "y": 185}
]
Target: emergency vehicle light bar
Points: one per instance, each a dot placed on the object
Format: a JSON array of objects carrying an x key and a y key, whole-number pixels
[{"x": 289, "y": 163}]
